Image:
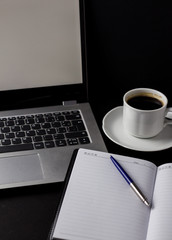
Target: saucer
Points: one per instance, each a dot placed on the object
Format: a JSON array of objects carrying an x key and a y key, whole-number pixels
[{"x": 113, "y": 128}]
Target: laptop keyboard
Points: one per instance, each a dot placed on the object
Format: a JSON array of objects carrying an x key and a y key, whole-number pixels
[{"x": 38, "y": 131}]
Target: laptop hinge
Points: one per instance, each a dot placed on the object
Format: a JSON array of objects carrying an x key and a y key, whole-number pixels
[{"x": 71, "y": 102}]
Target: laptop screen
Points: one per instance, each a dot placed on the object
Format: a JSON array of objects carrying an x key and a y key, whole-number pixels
[{"x": 40, "y": 45}]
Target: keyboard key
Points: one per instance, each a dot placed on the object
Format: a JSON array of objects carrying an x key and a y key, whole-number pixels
[
  {"x": 84, "y": 140},
  {"x": 21, "y": 117},
  {"x": 41, "y": 132},
  {"x": 73, "y": 141},
  {"x": 49, "y": 144},
  {"x": 11, "y": 118},
  {"x": 27, "y": 140},
  {"x": 66, "y": 123},
  {"x": 20, "y": 122},
  {"x": 48, "y": 114},
  {"x": 61, "y": 143},
  {"x": 3, "y": 119},
  {"x": 16, "y": 141},
  {"x": 10, "y": 135},
  {"x": 30, "y": 116},
  {"x": 40, "y": 120},
  {"x": 30, "y": 133},
  {"x": 57, "y": 113},
  {"x": 51, "y": 131},
  {"x": 58, "y": 136},
  {"x": 26, "y": 127},
  {"x": 75, "y": 111},
  {"x": 73, "y": 116},
  {"x": 66, "y": 113},
  {"x": 72, "y": 129},
  {"x": 39, "y": 115},
  {"x": 5, "y": 129},
  {"x": 39, "y": 145},
  {"x": 37, "y": 139},
  {"x": 60, "y": 118},
  {"x": 15, "y": 128},
  {"x": 30, "y": 121},
  {"x": 46, "y": 125},
  {"x": 61, "y": 130},
  {"x": 9, "y": 123},
  {"x": 36, "y": 126},
  {"x": 5, "y": 142},
  {"x": 48, "y": 137},
  {"x": 50, "y": 119},
  {"x": 76, "y": 134},
  {"x": 14, "y": 148},
  {"x": 20, "y": 134},
  {"x": 56, "y": 124}
]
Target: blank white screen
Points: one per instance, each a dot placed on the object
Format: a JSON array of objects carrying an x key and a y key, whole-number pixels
[{"x": 39, "y": 43}]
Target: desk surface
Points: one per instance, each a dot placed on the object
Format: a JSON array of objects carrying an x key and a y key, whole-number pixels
[{"x": 28, "y": 213}]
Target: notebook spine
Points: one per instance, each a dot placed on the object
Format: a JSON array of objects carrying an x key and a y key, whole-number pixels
[{"x": 50, "y": 236}]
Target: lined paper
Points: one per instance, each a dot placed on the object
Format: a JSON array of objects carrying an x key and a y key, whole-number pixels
[
  {"x": 161, "y": 214},
  {"x": 99, "y": 204}
]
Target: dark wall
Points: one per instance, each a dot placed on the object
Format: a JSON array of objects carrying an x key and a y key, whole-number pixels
[{"x": 129, "y": 45}]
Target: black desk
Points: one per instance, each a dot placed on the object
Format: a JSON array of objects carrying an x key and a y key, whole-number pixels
[{"x": 27, "y": 213}]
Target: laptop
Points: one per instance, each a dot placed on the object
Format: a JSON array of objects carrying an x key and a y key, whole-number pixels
[{"x": 44, "y": 109}]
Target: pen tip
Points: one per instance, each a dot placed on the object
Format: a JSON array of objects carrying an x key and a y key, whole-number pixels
[{"x": 147, "y": 204}]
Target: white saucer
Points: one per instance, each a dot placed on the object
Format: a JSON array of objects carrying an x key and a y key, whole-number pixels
[{"x": 113, "y": 128}]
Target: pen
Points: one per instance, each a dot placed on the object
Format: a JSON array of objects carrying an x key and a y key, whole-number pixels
[{"x": 130, "y": 181}]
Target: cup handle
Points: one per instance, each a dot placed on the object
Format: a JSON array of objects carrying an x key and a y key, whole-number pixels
[{"x": 168, "y": 116}]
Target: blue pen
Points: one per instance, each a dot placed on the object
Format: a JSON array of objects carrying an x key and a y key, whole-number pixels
[{"x": 130, "y": 181}]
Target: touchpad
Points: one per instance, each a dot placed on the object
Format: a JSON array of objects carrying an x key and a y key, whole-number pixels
[{"x": 16, "y": 169}]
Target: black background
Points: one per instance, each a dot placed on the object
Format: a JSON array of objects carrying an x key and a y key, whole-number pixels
[{"x": 129, "y": 45}]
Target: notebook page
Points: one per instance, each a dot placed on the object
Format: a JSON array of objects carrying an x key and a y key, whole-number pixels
[
  {"x": 99, "y": 204},
  {"x": 161, "y": 214}
]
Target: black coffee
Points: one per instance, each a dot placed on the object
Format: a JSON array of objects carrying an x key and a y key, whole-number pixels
[{"x": 145, "y": 103}]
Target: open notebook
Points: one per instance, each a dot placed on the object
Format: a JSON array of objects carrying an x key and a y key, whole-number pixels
[
  {"x": 44, "y": 106},
  {"x": 99, "y": 204}
]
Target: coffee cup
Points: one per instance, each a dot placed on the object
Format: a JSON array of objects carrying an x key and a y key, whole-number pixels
[{"x": 144, "y": 112}]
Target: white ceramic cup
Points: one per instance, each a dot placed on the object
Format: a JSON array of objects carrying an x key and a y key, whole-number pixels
[{"x": 145, "y": 123}]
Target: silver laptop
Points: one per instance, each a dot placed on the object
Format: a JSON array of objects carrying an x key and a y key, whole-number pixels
[{"x": 44, "y": 113}]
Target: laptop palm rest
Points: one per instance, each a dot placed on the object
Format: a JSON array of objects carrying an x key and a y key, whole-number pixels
[{"x": 17, "y": 169}]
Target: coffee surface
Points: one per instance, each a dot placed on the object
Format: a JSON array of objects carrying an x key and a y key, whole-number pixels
[{"x": 145, "y": 103}]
